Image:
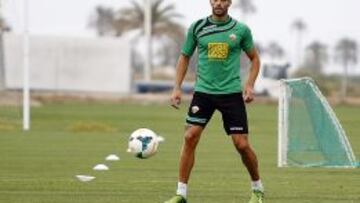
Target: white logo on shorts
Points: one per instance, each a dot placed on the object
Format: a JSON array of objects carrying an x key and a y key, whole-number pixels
[
  {"x": 236, "y": 128},
  {"x": 195, "y": 109}
]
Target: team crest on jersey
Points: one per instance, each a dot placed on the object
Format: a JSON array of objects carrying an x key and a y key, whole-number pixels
[{"x": 232, "y": 37}]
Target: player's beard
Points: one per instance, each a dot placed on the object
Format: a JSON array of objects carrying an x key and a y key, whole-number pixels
[{"x": 220, "y": 12}]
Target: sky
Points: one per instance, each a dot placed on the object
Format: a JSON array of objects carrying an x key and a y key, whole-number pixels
[{"x": 327, "y": 20}]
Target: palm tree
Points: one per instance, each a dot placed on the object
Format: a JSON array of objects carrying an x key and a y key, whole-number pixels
[
  {"x": 275, "y": 50},
  {"x": 133, "y": 17},
  {"x": 2, "y": 64},
  {"x": 346, "y": 54},
  {"x": 3, "y": 28},
  {"x": 317, "y": 56},
  {"x": 169, "y": 53},
  {"x": 103, "y": 20},
  {"x": 163, "y": 19},
  {"x": 107, "y": 21},
  {"x": 246, "y": 7},
  {"x": 300, "y": 27}
]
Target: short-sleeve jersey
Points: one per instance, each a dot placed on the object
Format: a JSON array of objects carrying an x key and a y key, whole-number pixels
[{"x": 219, "y": 46}]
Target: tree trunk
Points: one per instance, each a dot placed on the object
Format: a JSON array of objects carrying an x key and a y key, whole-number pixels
[
  {"x": 299, "y": 49},
  {"x": 344, "y": 83},
  {"x": 2, "y": 63},
  {"x": 148, "y": 33}
]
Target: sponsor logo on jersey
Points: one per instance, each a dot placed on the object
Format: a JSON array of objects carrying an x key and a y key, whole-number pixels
[{"x": 218, "y": 50}]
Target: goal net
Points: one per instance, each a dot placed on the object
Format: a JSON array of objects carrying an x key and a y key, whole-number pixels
[{"x": 309, "y": 131}]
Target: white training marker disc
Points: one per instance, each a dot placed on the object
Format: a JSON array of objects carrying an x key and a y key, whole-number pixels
[
  {"x": 101, "y": 167},
  {"x": 112, "y": 157},
  {"x": 85, "y": 178}
]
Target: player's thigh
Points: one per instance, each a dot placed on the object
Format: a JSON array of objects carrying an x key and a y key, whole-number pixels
[
  {"x": 234, "y": 114},
  {"x": 200, "y": 110}
]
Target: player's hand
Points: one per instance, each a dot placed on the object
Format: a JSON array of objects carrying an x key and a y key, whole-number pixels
[
  {"x": 248, "y": 94},
  {"x": 176, "y": 98}
]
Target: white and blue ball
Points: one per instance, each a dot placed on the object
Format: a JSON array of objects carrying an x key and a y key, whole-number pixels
[{"x": 143, "y": 143}]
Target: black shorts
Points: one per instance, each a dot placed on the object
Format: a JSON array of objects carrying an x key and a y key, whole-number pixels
[{"x": 231, "y": 107}]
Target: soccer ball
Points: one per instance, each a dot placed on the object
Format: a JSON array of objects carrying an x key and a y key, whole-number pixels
[{"x": 143, "y": 143}]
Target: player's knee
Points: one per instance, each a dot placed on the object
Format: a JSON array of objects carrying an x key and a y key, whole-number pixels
[
  {"x": 191, "y": 138},
  {"x": 242, "y": 146}
]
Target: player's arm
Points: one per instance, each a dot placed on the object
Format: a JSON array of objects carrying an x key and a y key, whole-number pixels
[
  {"x": 182, "y": 66},
  {"x": 181, "y": 69},
  {"x": 254, "y": 71}
]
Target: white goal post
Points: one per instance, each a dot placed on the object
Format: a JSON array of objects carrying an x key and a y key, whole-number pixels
[{"x": 309, "y": 133}]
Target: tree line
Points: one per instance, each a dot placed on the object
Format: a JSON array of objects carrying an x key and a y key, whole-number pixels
[
  {"x": 167, "y": 31},
  {"x": 108, "y": 21}
]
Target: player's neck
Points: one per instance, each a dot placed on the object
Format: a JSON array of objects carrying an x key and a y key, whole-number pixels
[{"x": 219, "y": 18}]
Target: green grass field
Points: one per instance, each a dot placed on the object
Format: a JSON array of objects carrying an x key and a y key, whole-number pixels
[{"x": 69, "y": 139}]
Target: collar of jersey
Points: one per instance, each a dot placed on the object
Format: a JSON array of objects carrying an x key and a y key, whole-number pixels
[{"x": 219, "y": 22}]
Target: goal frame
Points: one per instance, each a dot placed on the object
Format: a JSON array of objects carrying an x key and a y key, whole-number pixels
[{"x": 283, "y": 125}]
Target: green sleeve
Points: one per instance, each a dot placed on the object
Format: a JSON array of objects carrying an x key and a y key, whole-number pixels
[
  {"x": 190, "y": 42},
  {"x": 246, "y": 42}
]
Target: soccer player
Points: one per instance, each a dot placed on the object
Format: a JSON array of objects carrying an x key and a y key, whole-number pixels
[{"x": 220, "y": 40}]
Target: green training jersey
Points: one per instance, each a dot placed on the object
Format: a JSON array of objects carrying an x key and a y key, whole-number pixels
[{"x": 219, "y": 46}]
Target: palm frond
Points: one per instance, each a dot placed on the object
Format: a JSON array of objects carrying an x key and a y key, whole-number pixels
[{"x": 163, "y": 19}]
